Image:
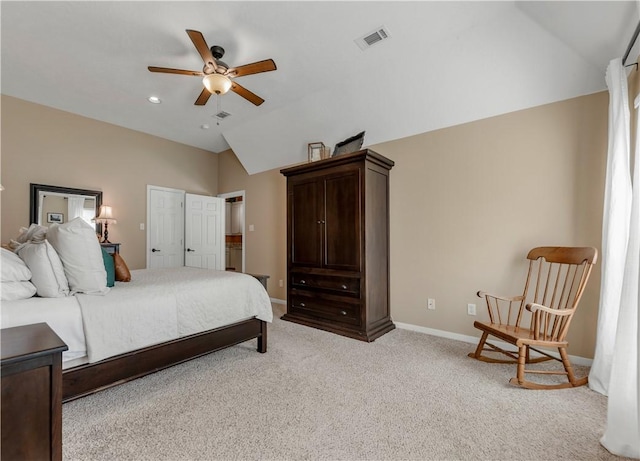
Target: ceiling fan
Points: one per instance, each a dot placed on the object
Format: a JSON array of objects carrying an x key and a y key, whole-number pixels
[{"x": 218, "y": 77}]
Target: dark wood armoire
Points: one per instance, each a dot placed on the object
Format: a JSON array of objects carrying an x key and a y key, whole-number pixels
[{"x": 338, "y": 244}]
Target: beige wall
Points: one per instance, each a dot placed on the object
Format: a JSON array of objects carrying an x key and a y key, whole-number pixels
[
  {"x": 265, "y": 209},
  {"x": 467, "y": 203},
  {"x": 48, "y": 146}
]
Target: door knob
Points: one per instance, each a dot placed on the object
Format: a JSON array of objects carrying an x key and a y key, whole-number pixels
[
  {"x": 189, "y": 249},
  {"x": 153, "y": 250}
]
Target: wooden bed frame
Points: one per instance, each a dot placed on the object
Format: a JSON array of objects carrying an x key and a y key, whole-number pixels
[{"x": 86, "y": 379}]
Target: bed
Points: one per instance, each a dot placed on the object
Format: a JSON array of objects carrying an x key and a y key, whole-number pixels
[{"x": 160, "y": 318}]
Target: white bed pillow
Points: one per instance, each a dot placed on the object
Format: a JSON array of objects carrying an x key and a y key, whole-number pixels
[
  {"x": 81, "y": 256},
  {"x": 47, "y": 272},
  {"x": 34, "y": 233},
  {"x": 13, "y": 291},
  {"x": 13, "y": 268}
]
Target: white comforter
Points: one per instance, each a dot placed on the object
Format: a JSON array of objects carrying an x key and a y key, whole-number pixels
[
  {"x": 156, "y": 306},
  {"x": 163, "y": 304},
  {"x": 62, "y": 314}
]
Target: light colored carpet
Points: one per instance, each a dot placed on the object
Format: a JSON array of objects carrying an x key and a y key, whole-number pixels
[{"x": 316, "y": 395}]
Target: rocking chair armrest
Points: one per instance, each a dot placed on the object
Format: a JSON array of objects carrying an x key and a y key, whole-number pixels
[
  {"x": 534, "y": 307},
  {"x": 483, "y": 294}
]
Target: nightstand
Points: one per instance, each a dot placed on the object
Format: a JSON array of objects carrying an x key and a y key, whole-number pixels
[
  {"x": 31, "y": 413},
  {"x": 261, "y": 278},
  {"x": 111, "y": 247}
]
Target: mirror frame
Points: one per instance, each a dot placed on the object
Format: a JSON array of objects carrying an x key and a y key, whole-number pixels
[{"x": 37, "y": 188}]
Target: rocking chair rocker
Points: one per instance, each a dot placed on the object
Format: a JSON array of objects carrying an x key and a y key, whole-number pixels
[{"x": 555, "y": 283}]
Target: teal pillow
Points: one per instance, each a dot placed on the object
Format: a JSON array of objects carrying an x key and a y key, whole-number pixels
[{"x": 110, "y": 267}]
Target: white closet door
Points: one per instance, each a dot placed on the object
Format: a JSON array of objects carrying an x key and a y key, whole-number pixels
[
  {"x": 165, "y": 228},
  {"x": 204, "y": 232}
]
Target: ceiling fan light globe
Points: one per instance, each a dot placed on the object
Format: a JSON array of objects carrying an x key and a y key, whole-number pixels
[{"x": 217, "y": 83}]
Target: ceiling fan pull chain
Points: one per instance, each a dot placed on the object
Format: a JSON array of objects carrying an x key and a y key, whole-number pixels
[{"x": 218, "y": 97}]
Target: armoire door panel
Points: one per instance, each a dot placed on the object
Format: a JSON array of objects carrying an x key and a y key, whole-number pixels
[
  {"x": 305, "y": 224},
  {"x": 342, "y": 211}
]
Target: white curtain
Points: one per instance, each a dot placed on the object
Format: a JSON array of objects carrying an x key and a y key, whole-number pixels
[
  {"x": 75, "y": 207},
  {"x": 615, "y": 228},
  {"x": 615, "y": 369}
]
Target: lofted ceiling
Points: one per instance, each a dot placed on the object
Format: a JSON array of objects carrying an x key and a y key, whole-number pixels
[{"x": 445, "y": 63}]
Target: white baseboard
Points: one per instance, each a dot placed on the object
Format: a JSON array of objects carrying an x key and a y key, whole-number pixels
[
  {"x": 278, "y": 301},
  {"x": 582, "y": 361}
]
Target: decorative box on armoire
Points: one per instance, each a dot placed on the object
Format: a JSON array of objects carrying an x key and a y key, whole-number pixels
[{"x": 338, "y": 245}]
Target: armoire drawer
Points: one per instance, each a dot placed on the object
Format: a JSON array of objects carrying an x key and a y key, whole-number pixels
[
  {"x": 341, "y": 284},
  {"x": 335, "y": 311}
]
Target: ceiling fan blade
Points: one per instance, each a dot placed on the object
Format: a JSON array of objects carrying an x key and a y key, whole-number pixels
[
  {"x": 167, "y": 70},
  {"x": 254, "y": 68},
  {"x": 203, "y": 98},
  {"x": 202, "y": 47},
  {"x": 246, "y": 94}
]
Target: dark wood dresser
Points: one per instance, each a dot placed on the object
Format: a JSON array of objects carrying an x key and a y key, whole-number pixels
[
  {"x": 338, "y": 244},
  {"x": 31, "y": 423}
]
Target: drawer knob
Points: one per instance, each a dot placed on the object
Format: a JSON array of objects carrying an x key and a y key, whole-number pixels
[
  {"x": 343, "y": 312},
  {"x": 302, "y": 282},
  {"x": 302, "y": 305},
  {"x": 344, "y": 287}
]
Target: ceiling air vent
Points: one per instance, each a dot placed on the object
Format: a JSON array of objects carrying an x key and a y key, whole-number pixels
[
  {"x": 222, "y": 114},
  {"x": 381, "y": 33}
]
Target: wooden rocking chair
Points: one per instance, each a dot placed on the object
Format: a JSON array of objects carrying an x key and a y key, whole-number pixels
[{"x": 555, "y": 283}]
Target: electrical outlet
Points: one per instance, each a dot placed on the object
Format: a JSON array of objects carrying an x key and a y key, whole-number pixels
[
  {"x": 431, "y": 304},
  {"x": 280, "y": 283},
  {"x": 471, "y": 309}
]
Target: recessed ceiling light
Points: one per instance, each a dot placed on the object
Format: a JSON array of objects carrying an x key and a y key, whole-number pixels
[
  {"x": 204, "y": 127},
  {"x": 154, "y": 100}
]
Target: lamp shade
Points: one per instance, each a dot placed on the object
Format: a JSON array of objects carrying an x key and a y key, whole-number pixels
[
  {"x": 217, "y": 83},
  {"x": 106, "y": 214}
]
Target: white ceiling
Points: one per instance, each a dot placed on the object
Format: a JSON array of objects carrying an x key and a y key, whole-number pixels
[{"x": 446, "y": 63}]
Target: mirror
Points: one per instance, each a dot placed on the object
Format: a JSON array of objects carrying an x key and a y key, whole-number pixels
[{"x": 54, "y": 204}]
